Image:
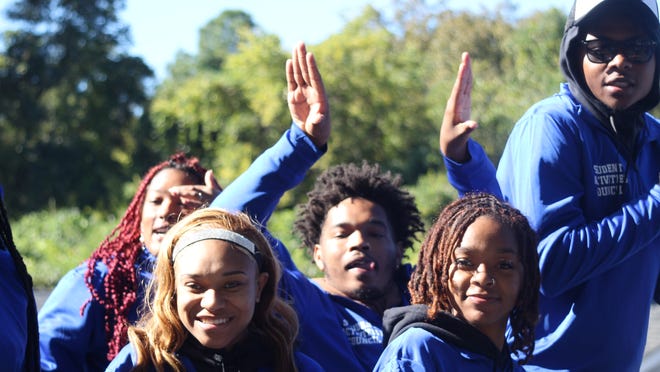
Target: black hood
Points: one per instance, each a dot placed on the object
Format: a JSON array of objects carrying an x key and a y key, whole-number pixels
[
  {"x": 449, "y": 328},
  {"x": 571, "y": 65}
]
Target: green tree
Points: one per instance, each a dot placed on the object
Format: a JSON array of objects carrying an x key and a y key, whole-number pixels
[
  {"x": 376, "y": 93},
  {"x": 69, "y": 105}
]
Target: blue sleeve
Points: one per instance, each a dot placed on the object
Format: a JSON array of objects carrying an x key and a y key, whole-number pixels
[
  {"x": 69, "y": 340},
  {"x": 545, "y": 172},
  {"x": 258, "y": 190},
  {"x": 13, "y": 315},
  {"x": 277, "y": 170},
  {"x": 477, "y": 174}
]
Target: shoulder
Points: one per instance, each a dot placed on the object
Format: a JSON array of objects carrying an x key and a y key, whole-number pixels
[
  {"x": 305, "y": 363},
  {"x": 416, "y": 342},
  {"x": 125, "y": 360},
  {"x": 74, "y": 282},
  {"x": 416, "y": 349},
  {"x": 653, "y": 124}
]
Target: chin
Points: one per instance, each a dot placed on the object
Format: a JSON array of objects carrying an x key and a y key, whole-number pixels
[{"x": 366, "y": 293}]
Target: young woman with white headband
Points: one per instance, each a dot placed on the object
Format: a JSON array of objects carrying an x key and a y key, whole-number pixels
[{"x": 213, "y": 303}]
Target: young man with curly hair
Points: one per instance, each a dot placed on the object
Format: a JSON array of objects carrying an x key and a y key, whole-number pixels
[{"x": 358, "y": 224}]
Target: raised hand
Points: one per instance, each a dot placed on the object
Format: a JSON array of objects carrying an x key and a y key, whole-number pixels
[
  {"x": 456, "y": 124},
  {"x": 306, "y": 96},
  {"x": 196, "y": 196}
]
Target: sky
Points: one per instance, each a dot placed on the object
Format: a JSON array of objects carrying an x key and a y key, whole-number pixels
[{"x": 161, "y": 28}]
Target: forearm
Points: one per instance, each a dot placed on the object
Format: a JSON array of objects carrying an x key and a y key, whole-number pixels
[
  {"x": 280, "y": 168},
  {"x": 477, "y": 174}
]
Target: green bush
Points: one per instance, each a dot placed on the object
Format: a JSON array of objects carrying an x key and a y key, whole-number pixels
[{"x": 54, "y": 241}]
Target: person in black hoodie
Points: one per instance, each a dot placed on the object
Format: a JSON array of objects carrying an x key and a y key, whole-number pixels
[{"x": 477, "y": 271}]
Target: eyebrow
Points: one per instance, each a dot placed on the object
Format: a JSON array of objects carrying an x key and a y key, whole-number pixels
[
  {"x": 229, "y": 273},
  {"x": 501, "y": 250},
  {"x": 376, "y": 222}
]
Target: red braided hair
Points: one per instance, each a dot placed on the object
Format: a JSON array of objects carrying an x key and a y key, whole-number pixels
[{"x": 119, "y": 252}]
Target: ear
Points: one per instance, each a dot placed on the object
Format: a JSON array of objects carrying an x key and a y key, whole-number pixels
[
  {"x": 261, "y": 282},
  {"x": 318, "y": 257}
]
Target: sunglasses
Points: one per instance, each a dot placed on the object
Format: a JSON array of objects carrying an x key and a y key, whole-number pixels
[{"x": 604, "y": 50}]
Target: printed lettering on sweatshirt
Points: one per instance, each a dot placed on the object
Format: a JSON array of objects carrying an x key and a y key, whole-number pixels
[
  {"x": 362, "y": 333},
  {"x": 609, "y": 179}
]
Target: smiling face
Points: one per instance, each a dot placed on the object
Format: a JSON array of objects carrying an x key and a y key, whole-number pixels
[
  {"x": 485, "y": 277},
  {"x": 357, "y": 252},
  {"x": 217, "y": 288},
  {"x": 619, "y": 83},
  {"x": 162, "y": 209}
]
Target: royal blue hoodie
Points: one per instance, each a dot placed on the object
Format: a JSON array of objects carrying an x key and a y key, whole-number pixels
[
  {"x": 72, "y": 334},
  {"x": 587, "y": 179},
  {"x": 445, "y": 343}
]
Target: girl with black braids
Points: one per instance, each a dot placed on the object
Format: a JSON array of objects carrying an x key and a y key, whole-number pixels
[
  {"x": 477, "y": 271},
  {"x": 19, "y": 346},
  {"x": 84, "y": 322}
]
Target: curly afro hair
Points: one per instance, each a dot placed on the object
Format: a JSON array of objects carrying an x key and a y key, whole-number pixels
[{"x": 364, "y": 181}]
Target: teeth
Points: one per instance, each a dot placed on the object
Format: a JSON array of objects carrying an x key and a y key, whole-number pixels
[{"x": 215, "y": 321}]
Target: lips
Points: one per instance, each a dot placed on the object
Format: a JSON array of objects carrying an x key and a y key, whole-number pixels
[
  {"x": 482, "y": 297},
  {"x": 620, "y": 83},
  {"x": 161, "y": 229},
  {"x": 364, "y": 263},
  {"x": 213, "y": 321}
]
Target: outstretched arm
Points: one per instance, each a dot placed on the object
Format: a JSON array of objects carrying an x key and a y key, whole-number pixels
[
  {"x": 468, "y": 167},
  {"x": 283, "y": 166}
]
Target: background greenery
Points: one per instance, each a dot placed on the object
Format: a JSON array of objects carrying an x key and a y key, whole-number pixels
[{"x": 81, "y": 119}]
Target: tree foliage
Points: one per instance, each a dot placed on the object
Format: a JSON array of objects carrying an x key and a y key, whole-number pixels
[
  {"x": 78, "y": 124},
  {"x": 69, "y": 105}
]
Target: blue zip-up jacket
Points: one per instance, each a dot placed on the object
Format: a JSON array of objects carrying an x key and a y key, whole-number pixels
[
  {"x": 71, "y": 341},
  {"x": 598, "y": 216},
  {"x": 126, "y": 359},
  {"x": 445, "y": 343},
  {"x": 337, "y": 332}
]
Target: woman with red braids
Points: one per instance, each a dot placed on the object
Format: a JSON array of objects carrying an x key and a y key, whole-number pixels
[{"x": 84, "y": 322}]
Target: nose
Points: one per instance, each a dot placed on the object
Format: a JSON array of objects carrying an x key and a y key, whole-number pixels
[
  {"x": 357, "y": 241},
  {"x": 169, "y": 210},
  {"x": 482, "y": 276},
  {"x": 620, "y": 61},
  {"x": 212, "y": 300}
]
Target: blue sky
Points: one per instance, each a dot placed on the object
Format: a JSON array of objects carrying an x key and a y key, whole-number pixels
[{"x": 161, "y": 28}]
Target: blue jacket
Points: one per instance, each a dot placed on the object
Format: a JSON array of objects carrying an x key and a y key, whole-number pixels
[
  {"x": 71, "y": 341},
  {"x": 340, "y": 334},
  {"x": 598, "y": 216},
  {"x": 19, "y": 349},
  {"x": 445, "y": 343},
  {"x": 127, "y": 358},
  {"x": 13, "y": 315}
]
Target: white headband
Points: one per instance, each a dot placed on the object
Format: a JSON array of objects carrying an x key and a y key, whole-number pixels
[{"x": 195, "y": 236}]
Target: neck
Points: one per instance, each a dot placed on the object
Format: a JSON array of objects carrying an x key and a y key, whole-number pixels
[
  {"x": 496, "y": 336},
  {"x": 378, "y": 302}
]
